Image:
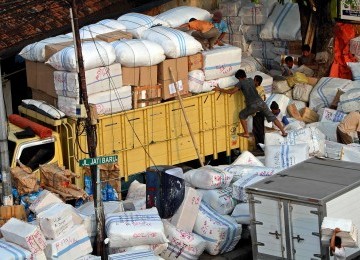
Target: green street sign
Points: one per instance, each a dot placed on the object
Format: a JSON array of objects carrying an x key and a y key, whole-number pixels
[{"x": 98, "y": 160}]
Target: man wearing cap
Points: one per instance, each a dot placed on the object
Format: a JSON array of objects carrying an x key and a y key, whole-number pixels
[{"x": 220, "y": 25}]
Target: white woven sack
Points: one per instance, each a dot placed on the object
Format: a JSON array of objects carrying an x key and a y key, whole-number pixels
[
  {"x": 247, "y": 158},
  {"x": 71, "y": 245},
  {"x": 283, "y": 23},
  {"x": 231, "y": 8},
  {"x": 302, "y": 92},
  {"x": 250, "y": 64},
  {"x": 350, "y": 154},
  {"x": 106, "y": 102},
  {"x": 42, "y": 105},
  {"x": 23, "y": 234},
  {"x": 145, "y": 254},
  {"x": 325, "y": 90},
  {"x": 182, "y": 14},
  {"x": 137, "y": 53},
  {"x": 137, "y": 195},
  {"x": 350, "y": 101},
  {"x": 264, "y": 50},
  {"x": 280, "y": 87},
  {"x": 257, "y": 13},
  {"x": 44, "y": 200},
  {"x": 305, "y": 70},
  {"x": 113, "y": 24},
  {"x": 226, "y": 82},
  {"x": 221, "y": 233},
  {"x": 56, "y": 220},
  {"x": 355, "y": 46},
  {"x": 294, "y": 125},
  {"x": 36, "y": 51},
  {"x": 240, "y": 170},
  {"x": 221, "y": 62},
  {"x": 348, "y": 231},
  {"x": 183, "y": 245},
  {"x": 174, "y": 42},
  {"x": 11, "y": 251},
  {"x": 238, "y": 187},
  {"x": 309, "y": 135},
  {"x": 157, "y": 249},
  {"x": 137, "y": 24},
  {"x": 208, "y": 178},
  {"x": 285, "y": 155},
  {"x": 196, "y": 81},
  {"x": 331, "y": 115},
  {"x": 87, "y": 212},
  {"x": 251, "y": 32},
  {"x": 241, "y": 213},
  {"x": 134, "y": 228},
  {"x": 95, "y": 54},
  {"x": 327, "y": 128},
  {"x": 97, "y": 80},
  {"x": 333, "y": 149},
  {"x": 219, "y": 199},
  {"x": 210, "y": 84},
  {"x": 267, "y": 79}
]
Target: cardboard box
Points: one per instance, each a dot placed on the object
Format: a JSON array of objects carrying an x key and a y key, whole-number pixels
[
  {"x": 51, "y": 49},
  {"x": 178, "y": 66},
  {"x": 185, "y": 216},
  {"x": 40, "y": 95},
  {"x": 114, "y": 36},
  {"x": 168, "y": 89},
  {"x": 41, "y": 77},
  {"x": 140, "y": 76},
  {"x": 145, "y": 103},
  {"x": 146, "y": 96},
  {"x": 195, "y": 62}
]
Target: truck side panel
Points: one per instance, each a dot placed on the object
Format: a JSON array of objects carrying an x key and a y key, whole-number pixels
[{"x": 159, "y": 134}]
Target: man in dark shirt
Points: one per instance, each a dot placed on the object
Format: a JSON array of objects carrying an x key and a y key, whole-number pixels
[{"x": 253, "y": 101}]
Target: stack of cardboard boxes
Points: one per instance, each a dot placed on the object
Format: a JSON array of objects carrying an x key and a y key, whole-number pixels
[{"x": 150, "y": 85}]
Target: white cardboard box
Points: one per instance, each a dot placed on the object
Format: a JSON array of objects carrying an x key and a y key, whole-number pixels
[
  {"x": 185, "y": 216},
  {"x": 45, "y": 199}
]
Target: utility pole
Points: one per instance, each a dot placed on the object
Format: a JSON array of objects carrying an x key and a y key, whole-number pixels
[
  {"x": 7, "y": 198},
  {"x": 91, "y": 139}
]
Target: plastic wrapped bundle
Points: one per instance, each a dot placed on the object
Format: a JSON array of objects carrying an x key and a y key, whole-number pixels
[
  {"x": 220, "y": 199},
  {"x": 208, "y": 177},
  {"x": 182, "y": 14},
  {"x": 285, "y": 155}
]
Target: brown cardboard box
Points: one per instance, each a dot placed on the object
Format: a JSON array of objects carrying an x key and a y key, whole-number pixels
[
  {"x": 294, "y": 47},
  {"x": 168, "y": 88},
  {"x": 146, "y": 96},
  {"x": 145, "y": 103},
  {"x": 179, "y": 68},
  {"x": 195, "y": 62},
  {"x": 114, "y": 36},
  {"x": 40, "y": 76},
  {"x": 140, "y": 76},
  {"x": 40, "y": 95},
  {"x": 51, "y": 49}
]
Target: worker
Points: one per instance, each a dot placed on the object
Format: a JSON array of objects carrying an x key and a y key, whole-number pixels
[
  {"x": 336, "y": 249},
  {"x": 203, "y": 31},
  {"x": 258, "y": 118},
  {"x": 274, "y": 106},
  {"x": 307, "y": 58},
  {"x": 253, "y": 102},
  {"x": 221, "y": 25},
  {"x": 289, "y": 66},
  {"x": 348, "y": 130}
]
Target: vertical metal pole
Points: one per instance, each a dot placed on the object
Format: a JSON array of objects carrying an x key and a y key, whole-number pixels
[
  {"x": 7, "y": 198},
  {"x": 91, "y": 140}
]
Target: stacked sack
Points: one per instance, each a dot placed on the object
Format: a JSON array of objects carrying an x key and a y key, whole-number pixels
[{"x": 58, "y": 232}]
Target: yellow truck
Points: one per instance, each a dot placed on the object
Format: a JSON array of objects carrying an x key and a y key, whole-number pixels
[{"x": 154, "y": 135}]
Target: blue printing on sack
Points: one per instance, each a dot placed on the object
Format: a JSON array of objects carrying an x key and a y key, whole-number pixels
[
  {"x": 180, "y": 252},
  {"x": 339, "y": 116},
  {"x": 121, "y": 219},
  {"x": 146, "y": 19},
  {"x": 63, "y": 55},
  {"x": 320, "y": 93},
  {"x": 19, "y": 254},
  {"x": 77, "y": 243},
  {"x": 181, "y": 40},
  {"x": 280, "y": 19},
  {"x": 133, "y": 255},
  {"x": 224, "y": 65},
  {"x": 285, "y": 155},
  {"x": 229, "y": 237}
]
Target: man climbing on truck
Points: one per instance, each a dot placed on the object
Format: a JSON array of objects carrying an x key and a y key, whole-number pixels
[
  {"x": 337, "y": 250},
  {"x": 253, "y": 102}
]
